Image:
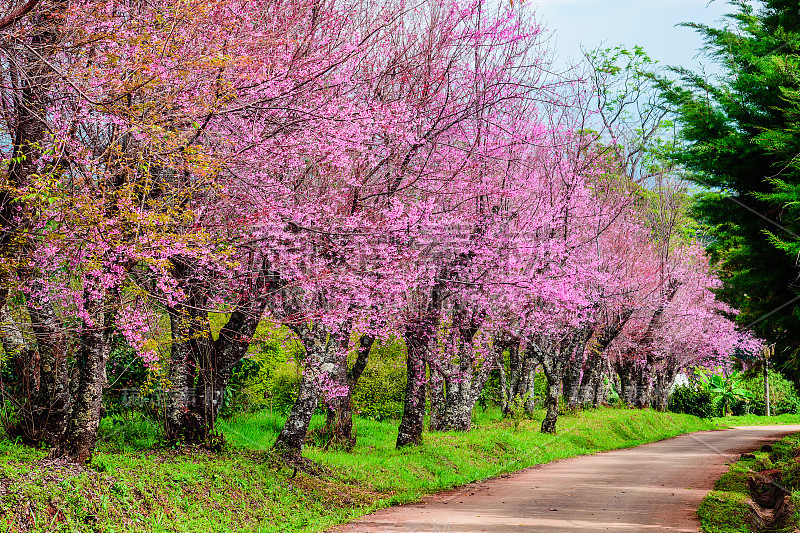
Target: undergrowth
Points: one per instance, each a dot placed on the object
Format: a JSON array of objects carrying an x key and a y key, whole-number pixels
[{"x": 132, "y": 486}]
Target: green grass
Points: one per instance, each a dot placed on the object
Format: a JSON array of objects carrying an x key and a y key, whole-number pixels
[
  {"x": 724, "y": 512},
  {"x": 756, "y": 420},
  {"x": 130, "y": 487},
  {"x": 726, "y": 509}
]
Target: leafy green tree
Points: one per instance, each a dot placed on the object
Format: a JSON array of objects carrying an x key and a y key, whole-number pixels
[{"x": 741, "y": 145}]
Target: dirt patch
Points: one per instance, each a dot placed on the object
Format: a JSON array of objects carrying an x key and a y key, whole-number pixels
[{"x": 337, "y": 495}]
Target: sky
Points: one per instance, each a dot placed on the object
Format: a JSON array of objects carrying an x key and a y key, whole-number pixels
[{"x": 648, "y": 23}]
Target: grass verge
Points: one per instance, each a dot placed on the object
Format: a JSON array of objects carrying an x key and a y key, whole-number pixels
[
  {"x": 730, "y": 508},
  {"x": 242, "y": 489},
  {"x": 756, "y": 420}
]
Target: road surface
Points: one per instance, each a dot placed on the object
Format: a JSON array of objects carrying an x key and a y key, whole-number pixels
[{"x": 655, "y": 487}]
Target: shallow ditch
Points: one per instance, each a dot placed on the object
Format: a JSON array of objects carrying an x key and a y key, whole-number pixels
[{"x": 771, "y": 506}]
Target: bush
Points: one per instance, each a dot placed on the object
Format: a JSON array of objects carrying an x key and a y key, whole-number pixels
[
  {"x": 269, "y": 376},
  {"x": 783, "y": 395},
  {"x": 281, "y": 388},
  {"x": 693, "y": 401},
  {"x": 380, "y": 392},
  {"x": 126, "y": 375},
  {"x": 237, "y": 398},
  {"x": 130, "y": 430},
  {"x": 788, "y": 404},
  {"x": 491, "y": 393}
]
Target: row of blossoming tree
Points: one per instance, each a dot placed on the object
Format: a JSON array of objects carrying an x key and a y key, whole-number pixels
[{"x": 349, "y": 169}]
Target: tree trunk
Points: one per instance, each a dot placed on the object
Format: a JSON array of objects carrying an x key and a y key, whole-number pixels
[
  {"x": 553, "y": 366},
  {"x": 627, "y": 382},
  {"x": 418, "y": 337},
  {"x": 92, "y": 356},
  {"x": 601, "y": 391},
  {"x": 638, "y": 376},
  {"x": 200, "y": 368},
  {"x": 529, "y": 390},
  {"x": 643, "y": 387},
  {"x": 293, "y": 435},
  {"x": 437, "y": 393},
  {"x": 591, "y": 381},
  {"x": 186, "y": 418},
  {"x": 53, "y": 398},
  {"x": 463, "y": 382},
  {"x": 465, "y": 387},
  {"x": 504, "y": 399},
  {"x": 458, "y": 408},
  {"x": 554, "y": 357},
  {"x": 591, "y": 389},
  {"x": 44, "y": 395},
  {"x": 521, "y": 379},
  {"x": 322, "y": 351},
  {"x": 572, "y": 380},
  {"x": 663, "y": 384},
  {"x": 339, "y": 420},
  {"x": 551, "y": 405},
  {"x": 46, "y": 406}
]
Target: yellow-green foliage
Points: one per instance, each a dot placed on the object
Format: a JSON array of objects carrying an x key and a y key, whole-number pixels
[
  {"x": 280, "y": 389},
  {"x": 378, "y": 394},
  {"x": 380, "y": 391},
  {"x": 277, "y": 355}
]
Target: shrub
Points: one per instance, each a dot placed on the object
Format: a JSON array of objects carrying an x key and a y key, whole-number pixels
[
  {"x": 281, "y": 388},
  {"x": 726, "y": 390},
  {"x": 540, "y": 387},
  {"x": 126, "y": 375},
  {"x": 129, "y": 430},
  {"x": 788, "y": 404},
  {"x": 268, "y": 376},
  {"x": 380, "y": 392},
  {"x": 693, "y": 400},
  {"x": 491, "y": 394},
  {"x": 237, "y": 398},
  {"x": 783, "y": 395}
]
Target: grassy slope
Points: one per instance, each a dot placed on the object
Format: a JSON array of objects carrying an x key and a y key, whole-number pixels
[{"x": 242, "y": 489}]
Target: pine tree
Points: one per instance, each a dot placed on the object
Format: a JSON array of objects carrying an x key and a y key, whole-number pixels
[{"x": 741, "y": 133}]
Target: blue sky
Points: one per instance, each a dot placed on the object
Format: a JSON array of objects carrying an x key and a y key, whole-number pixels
[{"x": 649, "y": 23}]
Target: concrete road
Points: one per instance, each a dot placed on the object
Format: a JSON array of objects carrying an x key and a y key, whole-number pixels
[{"x": 655, "y": 487}]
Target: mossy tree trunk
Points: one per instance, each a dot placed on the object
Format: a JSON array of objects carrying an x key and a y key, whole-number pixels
[
  {"x": 323, "y": 350},
  {"x": 339, "y": 420},
  {"x": 92, "y": 356},
  {"x": 201, "y": 367}
]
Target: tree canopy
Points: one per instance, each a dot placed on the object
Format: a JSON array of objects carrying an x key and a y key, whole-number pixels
[{"x": 740, "y": 145}]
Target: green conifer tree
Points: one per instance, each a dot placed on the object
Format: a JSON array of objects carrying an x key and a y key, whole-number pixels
[{"x": 741, "y": 133}]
